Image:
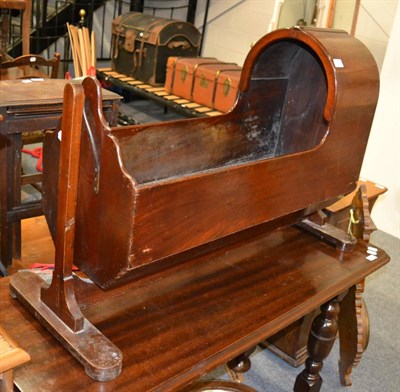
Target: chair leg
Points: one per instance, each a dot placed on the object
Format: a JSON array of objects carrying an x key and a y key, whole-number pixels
[{"x": 15, "y": 191}]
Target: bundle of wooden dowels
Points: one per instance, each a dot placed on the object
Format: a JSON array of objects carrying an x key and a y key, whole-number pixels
[{"x": 83, "y": 47}]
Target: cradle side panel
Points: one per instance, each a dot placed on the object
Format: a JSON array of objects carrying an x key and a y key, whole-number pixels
[
  {"x": 105, "y": 217},
  {"x": 189, "y": 213}
]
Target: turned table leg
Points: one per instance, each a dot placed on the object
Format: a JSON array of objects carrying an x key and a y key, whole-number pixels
[
  {"x": 239, "y": 365},
  {"x": 320, "y": 342}
]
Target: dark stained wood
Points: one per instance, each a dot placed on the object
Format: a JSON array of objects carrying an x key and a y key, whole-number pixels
[
  {"x": 56, "y": 304},
  {"x": 192, "y": 191},
  {"x": 361, "y": 224},
  {"x": 218, "y": 386},
  {"x": 26, "y": 98},
  {"x": 101, "y": 359},
  {"x": 327, "y": 232},
  {"x": 291, "y": 343},
  {"x": 241, "y": 363},
  {"x": 354, "y": 332},
  {"x": 27, "y": 210},
  {"x": 27, "y": 106},
  {"x": 59, "y": 296},
  {"x": 320, "y": 342},
  {"x": 24, "y": 67},
  {"x": 242, "y": 293},
  {"x": 238, "y": 293},
  {"x": 178, "y": 185},
  {"x": 29, "y": 66}
]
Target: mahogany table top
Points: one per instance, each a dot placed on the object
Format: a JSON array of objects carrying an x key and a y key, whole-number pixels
[{"x": 183, "y": 322}]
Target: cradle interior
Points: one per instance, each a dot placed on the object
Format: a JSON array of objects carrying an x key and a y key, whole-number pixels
[{"x": 284, "y": 115}]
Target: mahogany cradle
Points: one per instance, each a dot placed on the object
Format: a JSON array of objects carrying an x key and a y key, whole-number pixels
[
  {"x": 293, "y": 143},
  {"x": 134, "y": 202}
]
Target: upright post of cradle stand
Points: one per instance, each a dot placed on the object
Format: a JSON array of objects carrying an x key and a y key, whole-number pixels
[
  {"x": 59, "y": 296},
  {"x": 55, "y": 305}
]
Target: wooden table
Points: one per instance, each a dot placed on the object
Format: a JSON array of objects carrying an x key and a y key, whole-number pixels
[
  {"x": 27, "y": 106},
  {"x": 290, "y": 344},
  {"x": 181, "y": 323}
]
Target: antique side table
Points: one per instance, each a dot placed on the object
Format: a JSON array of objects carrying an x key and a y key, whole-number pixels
[
  {"x": 177, "y": 325},
  {"x": 28, "y": 106},
  {"x": 290, "y": 344}
]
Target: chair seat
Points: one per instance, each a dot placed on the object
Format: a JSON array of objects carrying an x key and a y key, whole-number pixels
[{"x": 11, "y": 355}]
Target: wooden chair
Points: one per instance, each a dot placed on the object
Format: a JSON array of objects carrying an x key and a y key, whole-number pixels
[
  {"x": 25, "y": 6},
  {"x": 23, "y": 67},
  {"x": 29, "y": 65},
  {"x": 11, "y": 356}
]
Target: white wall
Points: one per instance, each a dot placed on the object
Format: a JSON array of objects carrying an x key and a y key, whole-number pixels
[
  {"x": 293, "y": 10},
  {"x": 233, "y": 25},
  {"x": 344, "y": 12},
  {"x": 382, "y": 161},
  {"x": 374, "y": 24}
]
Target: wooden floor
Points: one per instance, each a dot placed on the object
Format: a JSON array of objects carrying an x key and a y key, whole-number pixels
[{"x": 37, "y": 245}]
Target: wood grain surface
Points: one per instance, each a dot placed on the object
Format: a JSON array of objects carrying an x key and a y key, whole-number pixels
[{"x": 181, "y": 323}]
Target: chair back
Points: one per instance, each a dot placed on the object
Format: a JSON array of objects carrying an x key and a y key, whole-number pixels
[
  {"x": 31, "y": 66},
  {"x": 25, "y": 6}
]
